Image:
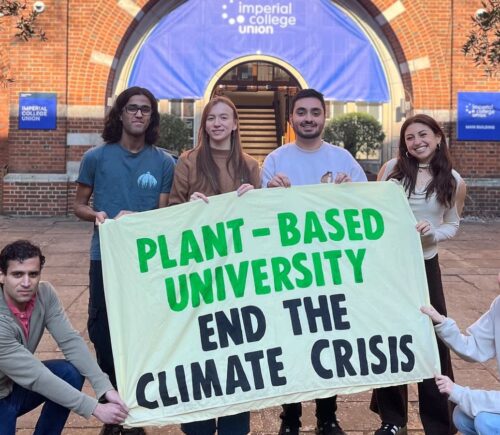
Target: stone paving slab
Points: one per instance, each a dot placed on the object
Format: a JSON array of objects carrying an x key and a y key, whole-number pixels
[{"x": 470, "y": 263}]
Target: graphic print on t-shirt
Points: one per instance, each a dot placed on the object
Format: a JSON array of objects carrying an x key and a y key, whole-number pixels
[{"x": 147, "y": 181}]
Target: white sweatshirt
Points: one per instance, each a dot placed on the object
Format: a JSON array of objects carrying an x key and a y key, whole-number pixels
[{"x": 480, "y": 343}]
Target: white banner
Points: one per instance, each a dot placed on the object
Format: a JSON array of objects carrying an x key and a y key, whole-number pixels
[{"x": 278, "y": 296}]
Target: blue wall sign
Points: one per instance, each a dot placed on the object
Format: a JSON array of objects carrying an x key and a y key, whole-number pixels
[
  {"x": 37, "y": 111},
  {"x": 478, "y": 116},
  {"x": 192, "y": 43}
]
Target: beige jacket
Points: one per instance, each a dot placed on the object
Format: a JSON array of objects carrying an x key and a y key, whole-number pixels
[{"x": 19, "y": 365}]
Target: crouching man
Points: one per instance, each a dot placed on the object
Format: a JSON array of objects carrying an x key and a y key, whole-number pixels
[{"x": 27, "y": 307}]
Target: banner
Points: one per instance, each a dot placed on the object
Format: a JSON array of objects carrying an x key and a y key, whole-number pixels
[
  {"x": 278, "y": 296},
  {"x": 193, "y": 43}
]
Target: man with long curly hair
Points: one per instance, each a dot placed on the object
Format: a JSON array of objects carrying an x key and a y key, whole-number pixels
[{"x": 125, "y": 175}]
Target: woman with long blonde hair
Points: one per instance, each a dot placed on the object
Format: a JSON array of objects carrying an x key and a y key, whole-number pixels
[{"x": 216, "y": 165}]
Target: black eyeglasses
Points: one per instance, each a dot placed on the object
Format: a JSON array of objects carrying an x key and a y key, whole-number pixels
[{"x": 132, "y": 109}]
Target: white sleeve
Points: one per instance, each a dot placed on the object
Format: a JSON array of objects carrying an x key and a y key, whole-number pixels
[
  {"x": 451, "y": 219},
  {"x": 472, "y": 402},
  {"x": 449, "y": 226},
  {"x": 268, "y": 171},
  {"x": 356, "y": 172},
  {"x": 477, "y": 345}
]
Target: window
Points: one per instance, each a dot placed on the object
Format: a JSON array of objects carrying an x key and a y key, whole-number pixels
[
  {"x": 373, "y": 109},
  {"x": 337, "y": 108},
  {"x": 184, "y": 109}
]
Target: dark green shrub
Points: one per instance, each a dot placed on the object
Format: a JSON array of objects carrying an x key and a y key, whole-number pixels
[
  {"x": 356, "y": 132},
  {"x": 175, "y": 135}
]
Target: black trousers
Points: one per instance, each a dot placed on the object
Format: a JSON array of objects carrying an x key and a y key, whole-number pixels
[
  {"x": 325, "y": 411},
  {"x": 97, "y": 323},
  {"x": 391, "y": 403}
]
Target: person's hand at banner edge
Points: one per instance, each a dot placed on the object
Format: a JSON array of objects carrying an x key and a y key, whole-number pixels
[
  {"x": 112, "y": 396},
  {"x": 110, "y": 413},
  {"x": 123, "y": 213},
  {"x": 198, "y": 195},
  {"x": 444, "y": 383},
  {"x": 425, "y": 228},
  {"x": 342, "y": 177},
  {"x": 100, "y": 217},
  {"x": 279, "y": 180},
  {"x": 244, "y": 188},
  {"x": 433, "y": 314}
]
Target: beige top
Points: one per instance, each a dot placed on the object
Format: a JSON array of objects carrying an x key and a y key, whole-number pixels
[
  {"x": 444, "y": 221},
  {"x": 187, "y": 179}
]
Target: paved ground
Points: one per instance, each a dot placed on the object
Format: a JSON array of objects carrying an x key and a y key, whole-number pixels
[{"x": 470, "y": 264}]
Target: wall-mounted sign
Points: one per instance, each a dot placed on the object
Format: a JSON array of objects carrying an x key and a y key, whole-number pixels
[
  {"x": 478, "y": 116},
  {"x": 37, "y": 111}
]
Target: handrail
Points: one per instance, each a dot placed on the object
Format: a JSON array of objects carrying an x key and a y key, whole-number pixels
[{"x": 277, "y": 119}]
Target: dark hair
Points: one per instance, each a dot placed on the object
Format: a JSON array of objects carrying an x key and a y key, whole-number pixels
[
  {"x": 235, "y": 164},
  {"x": 112, "y": 132},
  {"x": 308, "y": 93},
  {"x": 443, "y": 183},
  {"x": 19, "y": 250}
]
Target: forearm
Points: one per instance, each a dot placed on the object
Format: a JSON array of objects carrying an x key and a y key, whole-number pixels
[
  {"x": 467, "y": 347},
  {"x": 85, "y": 212},
  {"x": 449, "y": 228},
  {"x": 75, "y": 350},
  {"x": 472, "y": 402}
]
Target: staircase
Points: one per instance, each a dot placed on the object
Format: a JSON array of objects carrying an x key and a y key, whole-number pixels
[{"x": 257, "y": 130}]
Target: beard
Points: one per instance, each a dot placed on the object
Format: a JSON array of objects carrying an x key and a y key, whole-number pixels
[
  {"x": 308, "y": 135},
  {"x": 312, "y": 135}
]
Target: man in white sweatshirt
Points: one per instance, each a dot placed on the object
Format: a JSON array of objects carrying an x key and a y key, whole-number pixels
[{"x": 477, "y": 411}]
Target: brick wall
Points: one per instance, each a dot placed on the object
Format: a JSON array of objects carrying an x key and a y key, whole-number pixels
[
  {"x": 86, "y": 41},
  {"x": 482, "y": 201},
  {"x": 35, "y": 199}
]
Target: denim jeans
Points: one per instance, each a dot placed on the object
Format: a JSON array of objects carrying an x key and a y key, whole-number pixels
[
  {"x": 485, "y": 423},
  {"x": 238, "y": 424},
  {"x": 20, "y": 401}
]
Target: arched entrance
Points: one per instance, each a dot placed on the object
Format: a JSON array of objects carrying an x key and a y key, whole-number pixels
[
  {"x": 261, "y": 91},
  {"x": 195, "y": 48}
]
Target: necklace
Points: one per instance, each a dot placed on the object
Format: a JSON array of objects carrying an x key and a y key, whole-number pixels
[{"x": 423, "y": 166}]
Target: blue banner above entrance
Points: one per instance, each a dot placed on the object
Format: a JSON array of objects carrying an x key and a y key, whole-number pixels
[
  {"x": 478, "y": 116},
  {"x": 327, "y": 48}
]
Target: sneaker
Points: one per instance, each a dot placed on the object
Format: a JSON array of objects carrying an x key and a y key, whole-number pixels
[
  {"x": 328, "y": 428},
  {"x": 389, "y": 429},
  {"x": 288, "y": 430},
  {"x": 133, "y": 431},
  {"x": 111, "y": 429}
]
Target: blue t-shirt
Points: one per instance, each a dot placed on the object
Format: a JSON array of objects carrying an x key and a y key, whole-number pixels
[{"x": 122, "y": 180}]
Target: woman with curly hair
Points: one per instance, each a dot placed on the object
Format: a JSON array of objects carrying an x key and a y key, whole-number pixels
[{"x": 436, "y": 195}]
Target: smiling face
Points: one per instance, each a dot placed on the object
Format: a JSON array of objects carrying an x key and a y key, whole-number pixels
[
  {"x": 308, "y": 118},
  {"x": 219, "y": 125},
  {"x": 136, "y": 124},
  {"x": 421, "y": 142},
  {"x": 20, "y": 281}
]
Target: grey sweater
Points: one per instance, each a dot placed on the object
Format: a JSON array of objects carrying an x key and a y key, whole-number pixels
[
  {"x": 19, "y": 365},
  {"x": 479, "y": 344}
]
